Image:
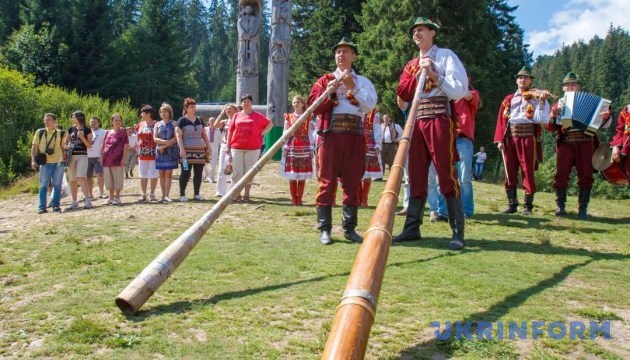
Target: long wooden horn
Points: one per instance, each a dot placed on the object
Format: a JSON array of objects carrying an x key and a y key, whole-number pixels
[
  {"x": 159, "y": 270},
  {"x": 355, "y": 314}
]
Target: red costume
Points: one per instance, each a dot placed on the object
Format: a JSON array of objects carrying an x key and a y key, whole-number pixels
[
  {"x": 573, "y": 149},
  {"x": 519, "y": 130},
  {"x": 340, "y": 154},
  {"x": 433, "y": 139},
  {"x": 341, "y": 145},
  {"x": 297, "y": 156},
  {"x": 622, "y": 140}
]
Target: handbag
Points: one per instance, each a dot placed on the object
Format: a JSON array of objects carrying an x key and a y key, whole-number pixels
[
  {"x": 228, "y": 169},
  {"x": 40, "y": 159}
]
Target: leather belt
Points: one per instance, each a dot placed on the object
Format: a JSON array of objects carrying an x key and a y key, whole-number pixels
[
  {"x": 522, "y": 130},
  {"x": 431, "y": 107},
  {"x": 347, "y": 124},
  {"x": 576, "y": 136}
]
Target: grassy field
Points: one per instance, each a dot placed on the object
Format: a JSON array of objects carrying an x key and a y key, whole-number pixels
[{"x": 259, "y": 285}]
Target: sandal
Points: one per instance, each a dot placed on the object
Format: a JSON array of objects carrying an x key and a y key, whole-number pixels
[
  {"x": 143, "y": 198},
  {"x": 153, "y": 198}
]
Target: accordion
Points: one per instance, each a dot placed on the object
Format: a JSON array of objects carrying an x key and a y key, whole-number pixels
[{"x": 583, "y": 110}]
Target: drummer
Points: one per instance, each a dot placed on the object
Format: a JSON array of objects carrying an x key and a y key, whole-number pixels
[
  {"x": 621, "y": 141},
  {"x": 574, "y": 148}
]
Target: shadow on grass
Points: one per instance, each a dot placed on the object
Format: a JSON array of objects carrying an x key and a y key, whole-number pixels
[
  {"x": 447, "y": 348},
  {"x": 184, "y": 306},
  {"x": 533, "y": 222},
  {"x": 515, "y": 246}
]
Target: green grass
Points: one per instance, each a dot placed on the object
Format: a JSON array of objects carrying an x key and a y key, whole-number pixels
[
  {"x": 259, "y": 285},
  {"x": 28, "y": 185}
]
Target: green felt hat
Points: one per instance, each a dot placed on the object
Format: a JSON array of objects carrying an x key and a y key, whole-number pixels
[
  {"x": 423, "y": 21},
  {"x": 525, "y": 71},
  {"x": 571, "y": 77},
  {"x": 345, "y": 42}
]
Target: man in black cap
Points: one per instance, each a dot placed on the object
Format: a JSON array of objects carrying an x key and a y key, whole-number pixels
[
  {"x": 574, "y": 148},
  {"x": 341, "y": 144},
  {"x": 518, "y": 137},
  {"x": 434, "y": 132}
]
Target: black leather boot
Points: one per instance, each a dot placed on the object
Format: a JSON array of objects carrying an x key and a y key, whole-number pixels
[
  {"x": 561, "y": 201},
  {"x": 411, "y": 230},
  {"x": 349, "y": 222},
  {"x": 584, "y": 197},
  {"x": 512, "y": 202},
  {"x": 324, "y": 222},
  {"x": 456, "y": 221},
  {"x": 529, "y": 204}
]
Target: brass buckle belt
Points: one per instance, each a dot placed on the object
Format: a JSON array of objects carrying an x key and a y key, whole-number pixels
[
  {"x": 348, "y": 124},
  {"x": 522, "y": 130},
  {"x": 431, "y": 107},
  {"x": 576, "y": 136}
]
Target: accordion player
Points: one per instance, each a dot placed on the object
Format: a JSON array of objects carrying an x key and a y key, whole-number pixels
[{"x": 584, "y": 111}]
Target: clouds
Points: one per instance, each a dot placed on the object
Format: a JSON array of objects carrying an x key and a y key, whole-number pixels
[{"x": 579, "y": 20}]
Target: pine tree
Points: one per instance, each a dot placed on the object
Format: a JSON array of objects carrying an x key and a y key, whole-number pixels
[
  {"x": 317, "y": 26},
  {"x": 152, "y": 61},
  {"x": 124, "y": 13},
  {"x": 9, "y": 18},
  {"x": 221, "y": 52},
  {"x": 89, "y": 45}
]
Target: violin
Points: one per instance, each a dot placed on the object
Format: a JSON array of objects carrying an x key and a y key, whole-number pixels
[{"x": 536, "y": 93}]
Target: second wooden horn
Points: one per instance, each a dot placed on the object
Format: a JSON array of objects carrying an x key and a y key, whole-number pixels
[
  {"x": 159, "y": 270},
  {"x": 350, "y": 331}
]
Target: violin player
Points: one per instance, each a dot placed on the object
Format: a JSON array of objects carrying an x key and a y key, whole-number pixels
[{"x": 518, "y": 138}]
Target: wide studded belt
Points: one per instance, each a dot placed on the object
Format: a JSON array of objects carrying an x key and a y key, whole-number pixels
[
  {"x": 522, "y": 130},
  {"x": 431, "y": 107},
  {"x": 576, "y": 136},
  {"x": 347, "y": 124}
]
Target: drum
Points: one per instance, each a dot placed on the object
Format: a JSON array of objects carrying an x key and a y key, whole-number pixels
[
  {"x": 615, "y": 175},
  {"x": 602, "y": 157}
]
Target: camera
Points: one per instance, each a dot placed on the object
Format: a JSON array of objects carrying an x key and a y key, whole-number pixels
[{"x": 50, "y": 151}]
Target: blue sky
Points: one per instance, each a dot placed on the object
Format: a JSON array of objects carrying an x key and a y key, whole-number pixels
[{"x": 550, "y": 23}]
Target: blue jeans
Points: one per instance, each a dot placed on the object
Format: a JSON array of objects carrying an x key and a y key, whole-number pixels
[
  {"x": 464, "y": 173},
  {"x": 47, "y": 173},
  {"x": 479, "y": 170},
  {"x": 433, "y": 196}
]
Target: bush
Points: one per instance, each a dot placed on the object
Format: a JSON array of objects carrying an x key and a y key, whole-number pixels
[{"x": 18, "y": 105}]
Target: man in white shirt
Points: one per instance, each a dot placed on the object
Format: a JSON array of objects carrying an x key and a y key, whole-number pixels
[
  {"x": 391, "y": 136},
  {"x": 94, "y": 154}
]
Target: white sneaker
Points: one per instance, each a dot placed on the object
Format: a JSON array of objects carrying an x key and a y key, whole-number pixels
[
  {"x": 183, "y": 199},
  {"x": 116, "y": 202},
  {"x": 167, "y": 200},
  {"x": 198, "y": 198}
]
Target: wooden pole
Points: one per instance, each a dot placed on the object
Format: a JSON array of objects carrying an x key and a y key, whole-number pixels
[
  {"x": 350, "y": 331},
  {"x": 160, "y": 269}
]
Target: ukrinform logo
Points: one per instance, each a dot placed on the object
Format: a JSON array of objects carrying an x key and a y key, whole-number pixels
[{"x": 485, "y": 330}]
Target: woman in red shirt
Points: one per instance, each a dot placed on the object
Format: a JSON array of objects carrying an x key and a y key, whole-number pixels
[{"x": 244, "y": 141}]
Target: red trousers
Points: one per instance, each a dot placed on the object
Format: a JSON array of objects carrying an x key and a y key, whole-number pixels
[
  {"x": 578, "y": 154},
  {"x": 520, "y": 152},
  {"x": 433, "y": 139},
  {"x": 340, "y": 156}
]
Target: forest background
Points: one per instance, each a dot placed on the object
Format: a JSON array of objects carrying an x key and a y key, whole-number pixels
[{"x": 106, "y": 56}]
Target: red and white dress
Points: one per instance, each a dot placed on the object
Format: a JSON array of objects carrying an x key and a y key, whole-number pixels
[
  {"x": 373, "y": 140},
  {"x": 297, "y": 153}
]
